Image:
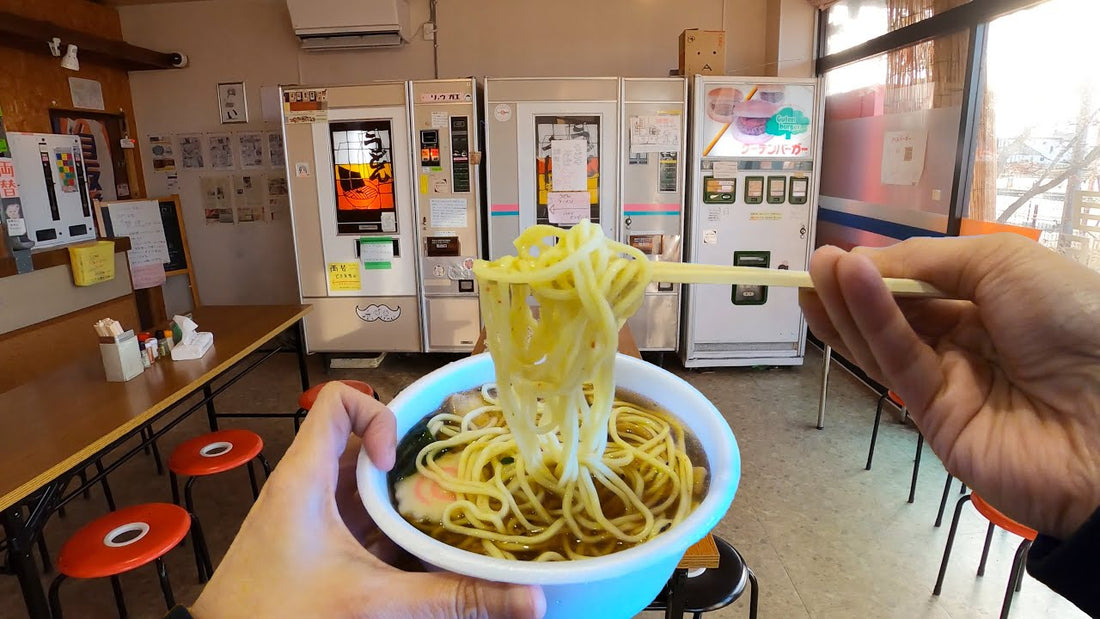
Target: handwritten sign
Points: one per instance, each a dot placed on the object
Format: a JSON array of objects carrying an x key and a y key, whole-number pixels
[
  {"x": 569, "y": 165},
  {"x": 344, "y": 276},
  {"x": 376, "y": 252},
  {"x": 568, "y": 207},
  {"x": 449, "y": 213},
  {"x": 140, "y": 220},
  {"x": 654, "y": 134}
]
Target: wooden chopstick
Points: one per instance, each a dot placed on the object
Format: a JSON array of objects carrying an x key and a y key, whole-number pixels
[{"x": 682, "y": 273}]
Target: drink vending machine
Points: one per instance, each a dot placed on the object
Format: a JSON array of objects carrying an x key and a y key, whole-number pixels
[
  {"x": 365, "y": 226},
  {"x": 753, "y": 202},
  {"x": 53, "y": 188},
  {"x": 654, "y": 126},
  {"x": 552, "y": 149}
]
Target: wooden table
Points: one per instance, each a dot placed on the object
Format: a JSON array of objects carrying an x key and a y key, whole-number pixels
[{"x": 57, "y": 424}]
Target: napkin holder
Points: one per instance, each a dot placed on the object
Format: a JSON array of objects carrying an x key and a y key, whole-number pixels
[{"x": 121, "y": 357}]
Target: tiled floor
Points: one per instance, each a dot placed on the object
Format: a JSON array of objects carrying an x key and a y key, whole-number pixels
[{"x": 825, "y": 538}]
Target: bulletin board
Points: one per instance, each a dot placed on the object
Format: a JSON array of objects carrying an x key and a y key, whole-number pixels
[{"x": 175, "y": 235}]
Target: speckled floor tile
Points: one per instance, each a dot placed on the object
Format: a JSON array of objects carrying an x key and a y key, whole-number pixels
[{"x": 826, "y": 538}]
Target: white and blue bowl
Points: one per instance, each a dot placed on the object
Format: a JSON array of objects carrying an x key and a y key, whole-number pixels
[{"x": 616, "y": 585}]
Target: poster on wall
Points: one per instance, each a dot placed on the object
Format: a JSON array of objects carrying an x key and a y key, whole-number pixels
[
  {"x": 275, "y": 153},
  {"x": 221, "y": 151},
  {"x": 363, "y": 175},
  {"x": 216, "y": 199},
  {"x": 163, "y": 155},
  {"x": 252, "y": 150},
  {"x": 567, "y": 159},
  {"x": 758, "y": 120},
  {"x": 191, "y": 156},
  {"x": 101, "y": 152}
]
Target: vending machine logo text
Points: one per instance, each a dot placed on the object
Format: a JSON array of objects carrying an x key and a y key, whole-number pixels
[{"x": 375, "y": 312}]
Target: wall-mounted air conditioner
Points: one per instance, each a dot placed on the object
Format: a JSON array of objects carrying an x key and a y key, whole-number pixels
[{"x": 349, "y": 24}]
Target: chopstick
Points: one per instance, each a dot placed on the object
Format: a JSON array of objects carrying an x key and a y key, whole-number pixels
[{"x": 682, "y": 273}]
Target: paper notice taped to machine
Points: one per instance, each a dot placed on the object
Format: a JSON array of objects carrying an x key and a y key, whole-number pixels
[
  {"x": 568, "y": 207},
  {"x": 654, "y": 134},
  {"x": 448, "y": 213},
  {"x": 724, "y": 169},
  {"x": 569, "y": 165}
]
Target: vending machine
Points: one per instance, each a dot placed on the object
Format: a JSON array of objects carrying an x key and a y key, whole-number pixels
[
  {"x": 446, "y": 162},
  {"x": 651, "y": 164},
  {"x": 552, "y": 151},
  {"x": 753, "y": 202},
  {"x": 52, "y": 187},
  {"x": 352, "y": 201}
]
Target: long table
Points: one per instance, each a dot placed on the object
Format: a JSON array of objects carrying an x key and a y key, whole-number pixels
[{"x": 56, "y": 425}]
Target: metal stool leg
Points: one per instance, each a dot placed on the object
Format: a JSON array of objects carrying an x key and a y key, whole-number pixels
[
  {"x": 187, "y": 502},
  {"x": 120, "y": 602},
  {"x": 55, "y": 598},
  {"x": 950, "y": 542},
  {"x": 1015, "y": 576},
  {"x": 874, "y": 432},
  {"x": 106, "y": 487},
  {"x": 252, "y": 480},
  {"x": 47, "y": 567},
  {"x": 145, "y": 437},
  {"x": 175, "y": 487},
  {"x": 202, "y": 553},
  {"x": 674, "y": 608},
  {"x": 943, "y": 500},
  {"x": 156, "y": 455},
  {"x": 298, "y": 415},
  {"x": 754, "y": 593},
  {"x": 985, "y": 549},
  {"x": 265, "y": 464},
  {"x": 916, "y": 467},
  {"x": 165, "y": 585}
]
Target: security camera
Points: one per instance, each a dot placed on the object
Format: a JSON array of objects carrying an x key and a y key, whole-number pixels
[{"x": 179, "y": 60}]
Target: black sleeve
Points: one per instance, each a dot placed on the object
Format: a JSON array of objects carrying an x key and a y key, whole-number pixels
[
  {"x": 179, "y": 612},
  {"x": 1071, "y": 568}
]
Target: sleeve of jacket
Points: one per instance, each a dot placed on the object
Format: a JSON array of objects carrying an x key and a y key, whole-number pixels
[{"x": 1071, "y": 567}]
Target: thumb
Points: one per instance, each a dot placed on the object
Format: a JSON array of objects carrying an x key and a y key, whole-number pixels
[{"x": 461, "y": 597}]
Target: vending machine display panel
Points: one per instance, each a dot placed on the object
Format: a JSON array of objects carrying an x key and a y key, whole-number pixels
[{"x": 361, "y": 153}]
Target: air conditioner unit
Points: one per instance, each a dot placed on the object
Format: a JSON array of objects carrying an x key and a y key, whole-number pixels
[{"x": 349, "y": 24}]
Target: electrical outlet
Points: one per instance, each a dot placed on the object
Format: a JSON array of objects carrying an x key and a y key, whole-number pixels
[{"x": 429, "y": 31}]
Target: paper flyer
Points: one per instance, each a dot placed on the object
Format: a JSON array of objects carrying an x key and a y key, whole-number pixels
[
  {"x": 164, "y": 157},
  {"x": 252, "y": 150},
  {"x": 220, "y": 146},
  {"x": 191, "y": 152}
]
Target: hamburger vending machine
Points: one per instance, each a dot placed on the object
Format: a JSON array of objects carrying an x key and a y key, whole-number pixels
[
  {"x": 552, "y": 149},
  {"x": 654, "y": 119},
  {"x": 753, "y": 203}
]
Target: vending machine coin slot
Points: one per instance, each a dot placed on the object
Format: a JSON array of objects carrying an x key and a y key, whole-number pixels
[
  {"x": 429, "y": 148},
  {"x": 800, "y": 190},
  {"x": 460, "y": 154},
  {"x": 719, "y": 190},
  {"x": 754, "y": 190},
  {"x": 777, "y": 189},
  {"x": 751, "y": 295}
]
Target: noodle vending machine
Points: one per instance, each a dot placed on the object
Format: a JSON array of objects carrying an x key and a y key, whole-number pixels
[
  {"x": 50, "y": 179},
  {"x": 383, "y": 185},
  {"x": 560, "y": 150},
  {"x": 753, "y": 202},
  {"x": 654, "y": 123}
]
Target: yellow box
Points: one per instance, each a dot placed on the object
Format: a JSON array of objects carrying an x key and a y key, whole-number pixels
[
  {"x": 93, "y": 263},
  {"x": 702, "y": 52}
]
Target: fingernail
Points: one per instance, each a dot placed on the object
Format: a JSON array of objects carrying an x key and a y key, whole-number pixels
[{"x": 530, "y": 597}]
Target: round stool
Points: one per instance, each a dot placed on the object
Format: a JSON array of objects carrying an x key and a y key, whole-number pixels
[
  {"x": 214, "y": 453},
  {"x": 308, "y": 397},
  {"x": 125, "y": 540},
  {"x": 708, "y": 590},
  {"x": 996, "y": 519}
]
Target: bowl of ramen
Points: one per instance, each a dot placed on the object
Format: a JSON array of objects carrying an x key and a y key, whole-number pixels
[{"x": 596, "y": 574}]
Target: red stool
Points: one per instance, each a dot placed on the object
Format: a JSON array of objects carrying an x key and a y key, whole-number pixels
[
  {"x": 308, "y": 397},
  {"x": 996, "y": 519},
  {"x": 125, "y": 540},
  {"x": 214, "y": 453}
]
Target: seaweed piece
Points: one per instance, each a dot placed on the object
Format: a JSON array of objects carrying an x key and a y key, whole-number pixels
[{"x": 418, "y": 437}]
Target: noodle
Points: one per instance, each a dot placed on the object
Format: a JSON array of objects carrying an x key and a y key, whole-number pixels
[{"x": 548, "y": 464}]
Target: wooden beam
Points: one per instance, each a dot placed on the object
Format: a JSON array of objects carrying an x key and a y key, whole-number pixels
[{"x": 33, "y": 35}]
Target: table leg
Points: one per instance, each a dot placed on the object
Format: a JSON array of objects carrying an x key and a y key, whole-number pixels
[
  {"x": 828, "y": 353},
  {"x": 22, "y": 564},
  {"x": 211, "y": 412},
  {"x": 303, "y": 371}
]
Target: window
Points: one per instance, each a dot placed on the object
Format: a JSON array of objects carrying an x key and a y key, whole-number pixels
[
  {"x": 1038, "y": 153},
  {"x": 851, "y": 22}
]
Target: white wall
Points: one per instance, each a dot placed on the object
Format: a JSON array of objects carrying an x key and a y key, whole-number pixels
[{"x": 251, "y": 41}]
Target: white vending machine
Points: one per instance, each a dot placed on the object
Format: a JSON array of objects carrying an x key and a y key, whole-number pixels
[
  {"x": 353, "y": 214},
  {"x": 446, "y": 160},
  {"x": 52, "y": 187},
  {"x": 651, "y": 164},
  {"x": 552, "y": 151},
  {"x": 753, "y": 202}
]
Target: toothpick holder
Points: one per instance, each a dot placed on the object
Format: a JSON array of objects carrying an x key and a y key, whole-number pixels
[{"x": 121, "y": 357}]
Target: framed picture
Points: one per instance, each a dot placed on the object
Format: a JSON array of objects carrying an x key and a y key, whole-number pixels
[{"x": 232, "y": 105}]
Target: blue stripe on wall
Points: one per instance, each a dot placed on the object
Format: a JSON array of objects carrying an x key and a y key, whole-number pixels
[{"x": 877, "y": 226}]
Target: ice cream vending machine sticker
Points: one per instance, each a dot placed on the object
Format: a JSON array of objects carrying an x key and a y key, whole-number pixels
[{"x": 762, "y": 120}]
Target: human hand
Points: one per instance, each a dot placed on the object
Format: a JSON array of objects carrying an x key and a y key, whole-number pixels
[
  {"x": 1003, "y": 380},
  {"x": 295, "y": 555}
]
